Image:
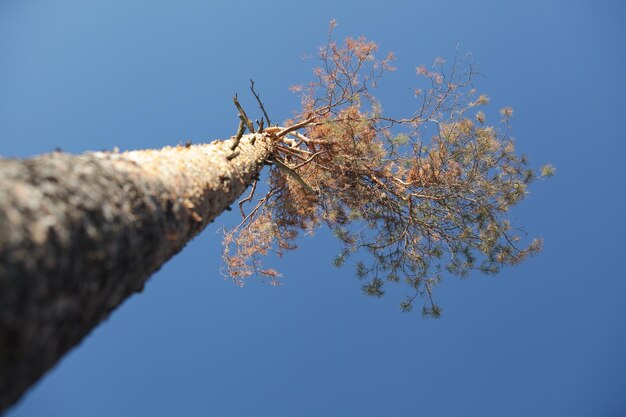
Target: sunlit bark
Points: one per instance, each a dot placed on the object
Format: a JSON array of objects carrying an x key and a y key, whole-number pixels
[{"x": 81, "y": 233}]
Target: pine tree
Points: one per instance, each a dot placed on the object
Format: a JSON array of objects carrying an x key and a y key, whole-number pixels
[{"x": 422, "y": 195}]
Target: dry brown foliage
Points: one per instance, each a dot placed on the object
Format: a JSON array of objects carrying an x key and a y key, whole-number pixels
[{"x": 422, "y": 195}]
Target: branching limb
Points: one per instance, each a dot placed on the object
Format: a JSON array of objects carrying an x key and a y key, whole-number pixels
[
  {"x": 293, "y": 174},
  {"x": 296, "y": 126},
  {"x": 248, "y": 198},
  {"x": 308, "y": 160},
  {"x": 256, "y": 208}
]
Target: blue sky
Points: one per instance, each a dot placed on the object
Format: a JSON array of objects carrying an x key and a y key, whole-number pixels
[{"x": 546, "y": 338}]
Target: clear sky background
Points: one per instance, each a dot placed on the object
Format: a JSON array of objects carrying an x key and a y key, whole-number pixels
[{"x": 547, "y": 338}]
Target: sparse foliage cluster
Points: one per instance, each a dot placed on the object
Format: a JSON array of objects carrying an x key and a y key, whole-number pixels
[{"x": 422, "y": 195}]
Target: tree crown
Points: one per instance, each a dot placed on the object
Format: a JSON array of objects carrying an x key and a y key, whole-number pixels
[{"x": 422, "y": 195}]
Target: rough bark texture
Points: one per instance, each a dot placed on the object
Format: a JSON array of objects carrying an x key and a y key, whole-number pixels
[{"x": 79, "y": 234}]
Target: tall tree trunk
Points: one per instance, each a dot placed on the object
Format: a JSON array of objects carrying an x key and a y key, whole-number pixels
[{"x": 79, "y": 234}]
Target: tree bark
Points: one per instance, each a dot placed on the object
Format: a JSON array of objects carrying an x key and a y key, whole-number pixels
[{"x": 81, "y": 233}]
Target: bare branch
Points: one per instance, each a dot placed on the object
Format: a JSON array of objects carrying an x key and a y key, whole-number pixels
[
  {"x": 296, "y": 126},
  {"x": 261, "y": 106},
  {"x": 240, "y": 131},
  {"x": 243, "y": 114}
]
